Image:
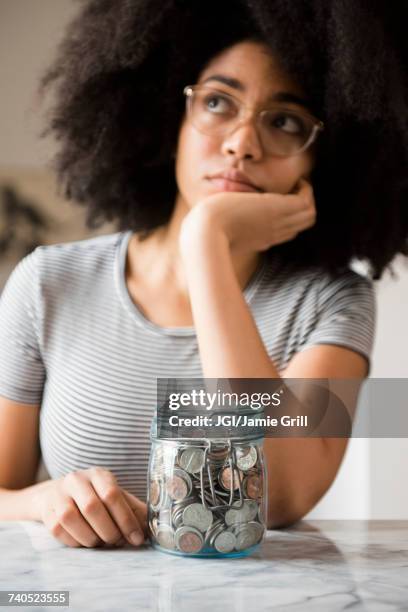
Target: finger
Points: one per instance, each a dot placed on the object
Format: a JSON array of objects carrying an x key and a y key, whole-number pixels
[
  {"x": 112, "y": 496},
  {"x": 288, "y": 235},
  {"x": 139, "y": 508},
  {"x": 300, "y": 220},
  {"x": 73, "y": 521},
  {"x": 92, "y": 507},
  {"x": 301, "y": 197},
  {"x": 53, "y": 525}
]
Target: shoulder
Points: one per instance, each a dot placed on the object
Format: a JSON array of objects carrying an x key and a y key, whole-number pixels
[
  {"x": 58, "y": 268},
  {"x": 316, "y": 284},
  {"x": 350, "y": 288},
  {"x": 95, "y": 248},
  {"x": 79, "y": 260},
  {"x": 318, "y": 281}
]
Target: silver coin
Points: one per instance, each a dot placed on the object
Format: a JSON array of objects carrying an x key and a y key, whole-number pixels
[
  {"x": 244, "y": 538},
  {"x": 195, "y": 515},
  {"x": 177, "y": 518},
  {"x": 213, "y": 531},
  {"x": 247, "y": 458},
  {"x": 246, "y": 513},
  {"x": 233, "y": 516},
  {"x": 250, "y": 509},
  {"x": 165, "y": 536},
  {"x": 192, "y": 460},
  {"x": 164, "y": 516},
  {"x": 225, "y": 542},
  {"x": 257, "y": 530}
]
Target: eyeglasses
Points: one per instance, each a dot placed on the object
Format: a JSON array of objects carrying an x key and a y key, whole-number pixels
[{"x": 283, "y": 132}]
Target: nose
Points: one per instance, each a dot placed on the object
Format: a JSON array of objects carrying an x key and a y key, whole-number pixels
[{"x": 243, "y": 142}]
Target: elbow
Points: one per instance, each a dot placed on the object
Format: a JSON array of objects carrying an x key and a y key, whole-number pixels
[
  {"x": 283, "y": 520},
  {"x": 285, "y": 513}
]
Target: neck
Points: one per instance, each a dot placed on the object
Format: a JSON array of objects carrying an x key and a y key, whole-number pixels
[{"x": 157, "y": 259}]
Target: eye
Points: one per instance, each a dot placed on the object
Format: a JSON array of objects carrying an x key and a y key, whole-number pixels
[
  {"x": 288, "y": 123},
  {"x": 218, "y": 104}
]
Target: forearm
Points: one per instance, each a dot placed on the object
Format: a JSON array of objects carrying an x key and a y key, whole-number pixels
[
  {"x": 229, "y": 342},
  {"x": 299, "y": 469},
  {"x": 299, "y": 472},
  {"x": 19, "y": 505}
]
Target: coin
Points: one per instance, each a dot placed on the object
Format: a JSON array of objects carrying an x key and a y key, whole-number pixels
[
  {"x": 225, "y": 478},
  {"x": 234, "y": 516},
  {"x": 164, "y": 516},
  {"x": 244, "y": 538},
  {"x": 246, "y": 513},
  {"x": 253, "y": 486},
  {"x": 192, "y": 460},
  {"x": 250, "y": 509},
  {"x": 189, "y": 507},
  {"x": 225, "y": 542},
  {"x": 165, "y": 536},
  {"x": 154, "y": 492},
  {"x": 257, "y": 530},
  {"x": 195, "y": 515},
  {"x": 177, "y": 518},
  {"x": 176, "y": 487},
  {"x": 189, "y": 540},
  {"x": 213, "y": 531},
  {"x": 247, "y": 458},
  {"x": 218, "y": 454},
  {"x": 153, "y": 526}
]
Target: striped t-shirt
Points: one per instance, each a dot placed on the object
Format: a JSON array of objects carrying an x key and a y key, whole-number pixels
[{"x": 73, "y": 340}]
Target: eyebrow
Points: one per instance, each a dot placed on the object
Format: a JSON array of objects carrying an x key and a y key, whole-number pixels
[{"x": 280, "y": 96}]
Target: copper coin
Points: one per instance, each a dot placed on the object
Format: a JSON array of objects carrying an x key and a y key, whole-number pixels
[
  {"x": 226, "y": 478},
  {"x": 254, "y": 486},
  {"x": 176, "y": 487},
  {"x": 190, "y": 542},
  {"x": 154, "y": 492},
  {"x": 218, "y": 454}
]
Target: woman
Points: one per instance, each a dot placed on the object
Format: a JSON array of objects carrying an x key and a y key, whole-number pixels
[{"x": 239, "y": 208}]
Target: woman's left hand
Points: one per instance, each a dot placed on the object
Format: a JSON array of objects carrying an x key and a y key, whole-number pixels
[{"x": 251, "y": 222}]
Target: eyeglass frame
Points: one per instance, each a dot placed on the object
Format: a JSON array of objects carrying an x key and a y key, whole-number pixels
[{"x": 318, "y": 125}]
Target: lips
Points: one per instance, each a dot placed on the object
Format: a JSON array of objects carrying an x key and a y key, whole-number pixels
[{"x": 233, "y": 180}]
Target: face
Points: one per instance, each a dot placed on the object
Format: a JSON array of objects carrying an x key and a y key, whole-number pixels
[{"x": 200, "y": 156}]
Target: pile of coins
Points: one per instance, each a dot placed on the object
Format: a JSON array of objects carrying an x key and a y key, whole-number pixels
[{"x": 206, "y": 499}]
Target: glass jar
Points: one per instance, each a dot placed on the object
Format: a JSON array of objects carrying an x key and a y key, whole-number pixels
[{"x": 207, "y": 497}]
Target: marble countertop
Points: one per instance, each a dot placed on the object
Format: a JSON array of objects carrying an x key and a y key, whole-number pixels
[{"x": 311, "y": 567}]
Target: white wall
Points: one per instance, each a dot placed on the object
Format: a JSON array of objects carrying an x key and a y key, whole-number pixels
[{"x": 371, "y": 481}]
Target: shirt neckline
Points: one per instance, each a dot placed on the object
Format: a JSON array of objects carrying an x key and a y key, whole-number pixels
[{"x": 136, "y": 312}]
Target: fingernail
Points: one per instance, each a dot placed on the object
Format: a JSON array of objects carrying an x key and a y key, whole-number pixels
[{"x": 136, "y": 538}]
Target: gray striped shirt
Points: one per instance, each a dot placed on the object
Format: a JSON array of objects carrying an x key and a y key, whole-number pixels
[{"x": 72, "y": 340}]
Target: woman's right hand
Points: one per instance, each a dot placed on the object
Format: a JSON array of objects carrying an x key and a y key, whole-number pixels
[{"x": 88, "y": 508}]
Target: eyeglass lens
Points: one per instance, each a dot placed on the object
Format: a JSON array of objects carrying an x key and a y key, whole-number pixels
[{"x": 282, "y": 131}]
